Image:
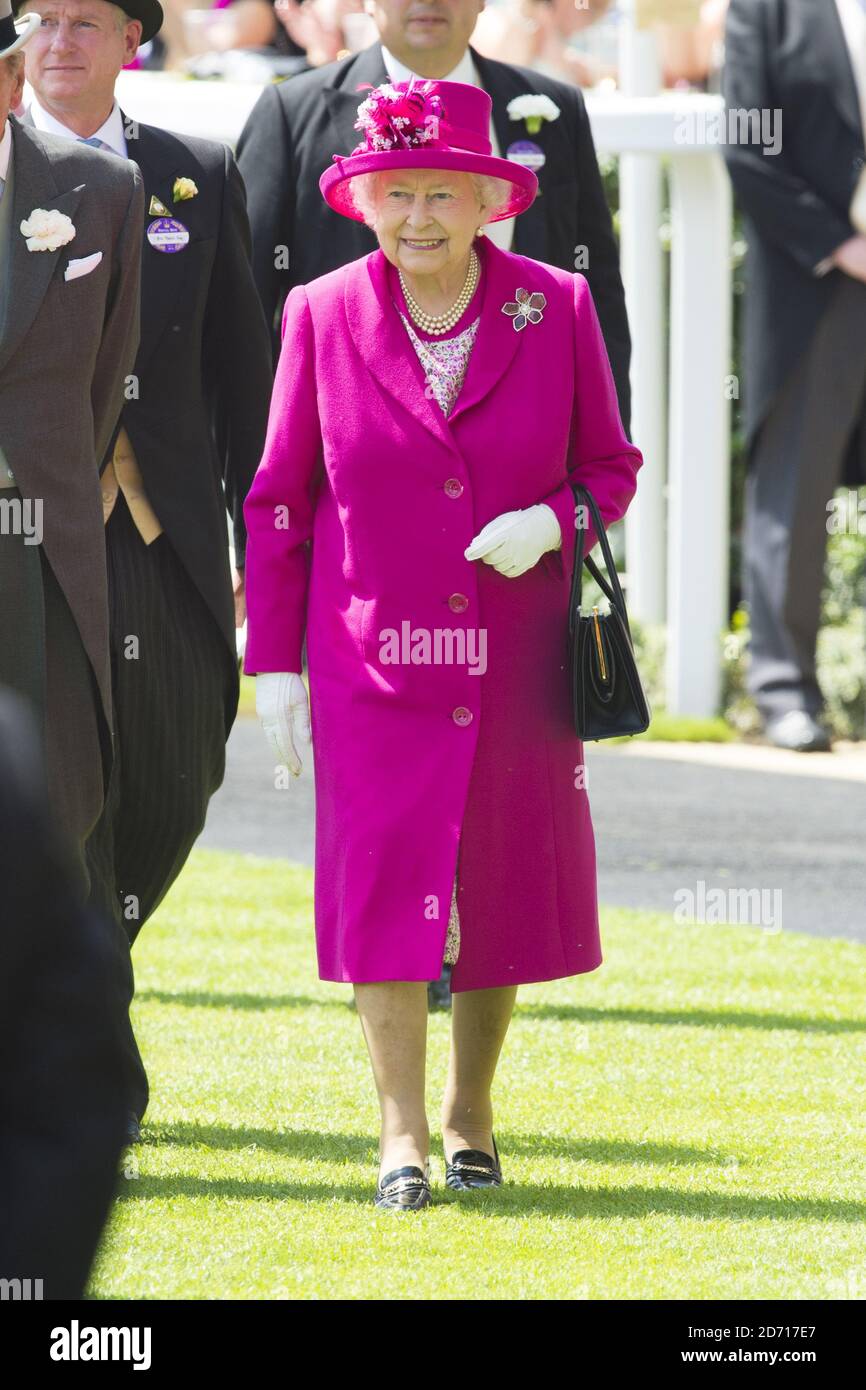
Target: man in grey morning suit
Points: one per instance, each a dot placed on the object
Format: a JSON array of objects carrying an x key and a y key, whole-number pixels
[
  {"x": 189, "y": 443},
  {"x": 69, "y": 328}
]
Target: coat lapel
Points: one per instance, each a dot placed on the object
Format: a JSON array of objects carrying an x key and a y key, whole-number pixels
[
  {"x": 388, "y": 354},
  {"x": 497, "y": 343},
  {"x": 31, "y": 272},
  {"x": 157, "y": 290},
  {"x": 826, "y": 38},
  {"x": 384, "y": 345},
  {"x": 158, "y": 174}
]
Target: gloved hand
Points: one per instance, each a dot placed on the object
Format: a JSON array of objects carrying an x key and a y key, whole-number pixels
[
  {"x": 283, "y": 708},
  {"x": 515, "y": 541}
]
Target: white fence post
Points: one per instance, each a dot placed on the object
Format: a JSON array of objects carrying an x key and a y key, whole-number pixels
[{"x": 699, "y": 454}]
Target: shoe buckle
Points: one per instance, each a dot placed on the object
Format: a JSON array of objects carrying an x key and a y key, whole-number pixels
[{"x": 402, "y": 1185}]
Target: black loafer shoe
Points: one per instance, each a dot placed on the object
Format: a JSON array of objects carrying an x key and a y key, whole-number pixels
[
  {"x": 404, "y": 1189},
  {"x": 473, "y": 1168},
  {"x": 133, "y": 1129}
]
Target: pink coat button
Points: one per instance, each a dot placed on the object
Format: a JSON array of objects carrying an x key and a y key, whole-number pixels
[
  {"x": 458, "y": 603},
  {"x": 453, "y": 487},
  {"x": 462, "y": 715}
]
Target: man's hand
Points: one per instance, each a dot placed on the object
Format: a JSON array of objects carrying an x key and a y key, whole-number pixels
[
  {"x": 283, "y": 708},
  {"x": 851, "y": 257},
  {"x": 515, "y": 541}
]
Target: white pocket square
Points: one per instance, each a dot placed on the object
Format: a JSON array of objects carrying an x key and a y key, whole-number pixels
[{"x": 82, "y": 266}]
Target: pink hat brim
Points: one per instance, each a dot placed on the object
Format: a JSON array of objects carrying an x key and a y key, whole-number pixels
[{"x": 335, "y": 183}]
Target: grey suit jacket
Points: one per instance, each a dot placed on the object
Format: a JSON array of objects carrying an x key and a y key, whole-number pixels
[{"x": 66, "y": 351}]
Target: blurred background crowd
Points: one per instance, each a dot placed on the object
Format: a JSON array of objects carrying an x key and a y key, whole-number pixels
[{"x": 575, "y": 40}]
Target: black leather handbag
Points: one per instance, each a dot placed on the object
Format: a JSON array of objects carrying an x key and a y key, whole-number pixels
[{"x": 607, "y": 696}]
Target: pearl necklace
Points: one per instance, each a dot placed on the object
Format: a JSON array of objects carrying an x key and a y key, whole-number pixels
[{"x": 437, "y": 324}]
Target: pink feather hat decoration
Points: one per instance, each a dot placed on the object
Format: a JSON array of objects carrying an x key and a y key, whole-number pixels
[{"x": 424, "y": 124}]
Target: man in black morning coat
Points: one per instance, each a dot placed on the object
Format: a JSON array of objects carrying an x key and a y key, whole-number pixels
[
  {"x": 188, "y": 443},
  {"x": 803, "y": 63},
  {"x": 297, "y": 126}
]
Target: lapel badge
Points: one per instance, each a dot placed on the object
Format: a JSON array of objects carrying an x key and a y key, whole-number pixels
[
  {"x": 526, "y": 310},
  {"x": 527, "y": 153},
  {"x": 157, "y": 208},
  {"x": 166, "y": 234}
]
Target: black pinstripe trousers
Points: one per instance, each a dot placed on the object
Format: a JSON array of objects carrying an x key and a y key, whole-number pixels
[{"x": 172, "y": 679}]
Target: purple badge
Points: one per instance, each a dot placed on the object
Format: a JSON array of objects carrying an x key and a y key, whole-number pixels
[
  {"x": 526, "y": 152},
  {"x": 167, "y": 234}
]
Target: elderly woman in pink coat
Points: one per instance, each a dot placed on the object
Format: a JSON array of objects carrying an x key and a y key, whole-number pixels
[{"x": 412, "y": 518}]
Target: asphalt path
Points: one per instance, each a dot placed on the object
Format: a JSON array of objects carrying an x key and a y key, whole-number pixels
[{"x": 664, "y": 827}]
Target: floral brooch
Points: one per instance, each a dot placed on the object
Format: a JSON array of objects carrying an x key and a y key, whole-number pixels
[{"x": 526, "y": 309}]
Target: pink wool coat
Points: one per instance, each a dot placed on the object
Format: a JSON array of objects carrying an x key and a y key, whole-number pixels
[{"x": 364, "y": 502}]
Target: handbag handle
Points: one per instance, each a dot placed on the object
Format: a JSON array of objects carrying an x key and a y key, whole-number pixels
[{"x": 612, "y": 591}]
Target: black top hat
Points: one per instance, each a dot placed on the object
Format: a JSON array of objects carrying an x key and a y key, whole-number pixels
[{"x": 148, "y": 11}]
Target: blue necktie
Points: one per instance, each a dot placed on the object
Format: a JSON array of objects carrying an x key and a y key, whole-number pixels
[{"x": 93, "y": 140}]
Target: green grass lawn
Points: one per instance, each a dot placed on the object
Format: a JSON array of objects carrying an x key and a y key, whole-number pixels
[{"x": 686, "y": 1122}]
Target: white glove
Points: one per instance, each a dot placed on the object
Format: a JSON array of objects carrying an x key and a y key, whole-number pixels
[
  {"x": 515, "y": 541},
  {"x": 283, "y": 708}
]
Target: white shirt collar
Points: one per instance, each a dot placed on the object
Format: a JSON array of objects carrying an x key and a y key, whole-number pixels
[
  {"x": 111, "y": 130},
  {"x": 853, "y": 19},
  {"x": 5, "y": 150},
  {"x": 464, "y": 72}
]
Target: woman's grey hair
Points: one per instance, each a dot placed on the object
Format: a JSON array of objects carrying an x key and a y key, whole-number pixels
[{"x": 493, "y": 194}]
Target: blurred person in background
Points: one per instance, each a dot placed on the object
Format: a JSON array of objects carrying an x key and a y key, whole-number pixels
[
  {"x": 326, "y": 29},
  {"x": 691, "y": 54},
  {"x": 191, "y": 27},
  {"x": 804, "y": 364},
  {"x": 538, "y": 33}
]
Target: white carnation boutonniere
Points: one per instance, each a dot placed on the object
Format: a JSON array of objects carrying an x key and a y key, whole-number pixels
[
  {"x": 533, "y": 109},
  {"x": 183, "y": 189},
  {"x": 46, "y": 229}
]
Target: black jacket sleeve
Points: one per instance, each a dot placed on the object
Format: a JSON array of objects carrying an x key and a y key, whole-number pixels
[
  {"x": 237, "y": 355},
  {"x": 266, "y": 162}
]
